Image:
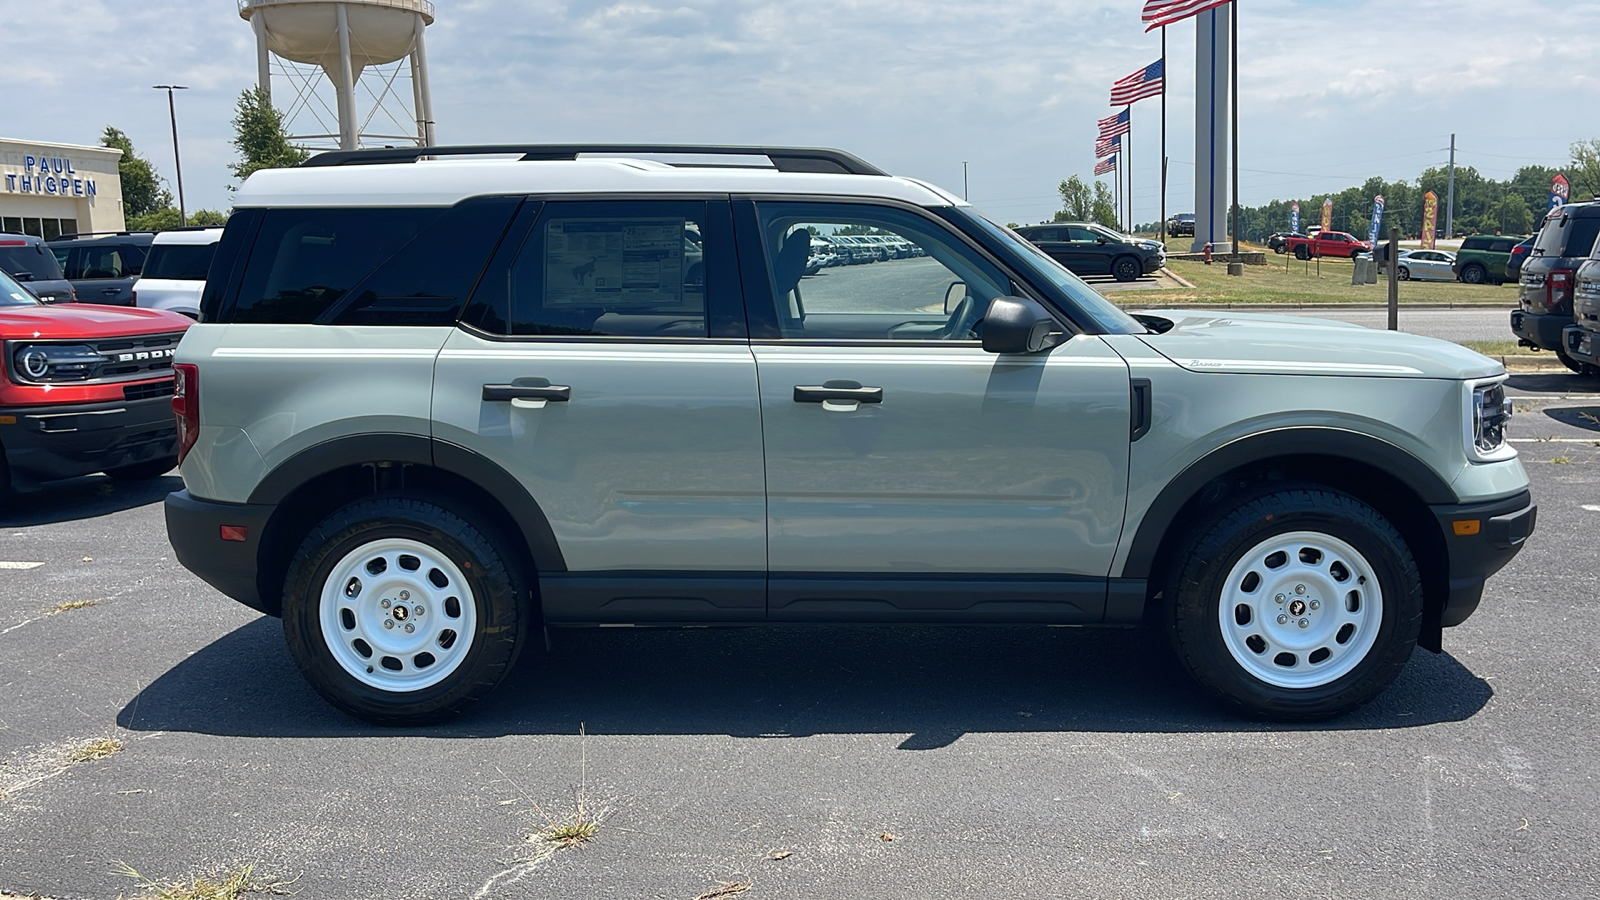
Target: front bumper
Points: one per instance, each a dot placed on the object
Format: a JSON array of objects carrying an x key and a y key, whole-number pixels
[
  {"x": 194, "y": 528},
  {"x": 49, "y": 443},
  {"x": 1582, "y": 344},
  {"x": 1480, "y": 538},
  {"x": 1540, "y": 331}
]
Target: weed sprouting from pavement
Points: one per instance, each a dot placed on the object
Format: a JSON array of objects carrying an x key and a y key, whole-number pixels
[
  {"x": 726, "y": 889},
  {"x": 71, "y": 604},
  {"x": 578, "y": 825},
  {"x": 1562, "y": 460},
  {"x": 229, "y": 886},
  {"x": 97, "y": 749}
]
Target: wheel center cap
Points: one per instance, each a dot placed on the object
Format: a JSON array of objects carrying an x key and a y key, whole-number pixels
[
  {"x": 400, "y": 613},
  {"x": 1297, "y": 607}
]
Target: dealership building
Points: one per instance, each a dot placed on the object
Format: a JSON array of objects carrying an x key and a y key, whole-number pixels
[{"x": 49, "y": 190}]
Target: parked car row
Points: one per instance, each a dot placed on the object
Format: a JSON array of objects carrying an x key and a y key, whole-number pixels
[
  {"x": 165, "y": 270},
  {"x": 857, "y": 249},
  {"x": 1558, "y": 288}
]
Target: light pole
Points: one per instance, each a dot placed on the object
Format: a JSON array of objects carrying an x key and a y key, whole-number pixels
[
  {"x": 177, "y": 160},
  {"x": 963, "y": 179}
]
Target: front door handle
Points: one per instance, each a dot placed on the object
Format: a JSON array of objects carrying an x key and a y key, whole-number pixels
[
  {"x": 500, "y": 392},
  {"x": 834, "y": 391}
]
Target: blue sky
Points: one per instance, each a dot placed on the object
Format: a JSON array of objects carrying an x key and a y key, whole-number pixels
[{"x": 1332, "y": 92}]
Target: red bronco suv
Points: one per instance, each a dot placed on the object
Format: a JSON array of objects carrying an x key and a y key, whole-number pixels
[{"x": 86, "y": 389}]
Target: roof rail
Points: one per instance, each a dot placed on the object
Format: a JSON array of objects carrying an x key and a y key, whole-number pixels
[{"x": 784, "y": 159}]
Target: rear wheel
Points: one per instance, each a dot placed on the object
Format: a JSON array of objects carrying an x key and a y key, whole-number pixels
[
  {"x": 1474, "y": 274},
  {"x": 402, "y": 612},
  {"x": 1126, "y": 268},
  {"x": 1295, "y": 603},
  {"x": 1302, "y": 252}
]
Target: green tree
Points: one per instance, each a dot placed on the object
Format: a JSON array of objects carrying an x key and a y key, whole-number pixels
[
  {"x": 208, "y": 217},
  {"x": 142, "y": 193},
  {"x": 159, "y": 220},
  {"x": 1077, "y": 201},
  {"x": 1585, "y": 170},
  {"x": 1104, "y": 208},
  {"x": 259, "y": 136}
]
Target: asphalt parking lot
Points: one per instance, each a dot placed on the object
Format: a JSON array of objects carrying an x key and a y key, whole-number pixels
[{"x": 804, "y": 762}]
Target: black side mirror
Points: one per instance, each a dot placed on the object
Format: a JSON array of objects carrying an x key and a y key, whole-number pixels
[{"x": 1017, "y": 325}]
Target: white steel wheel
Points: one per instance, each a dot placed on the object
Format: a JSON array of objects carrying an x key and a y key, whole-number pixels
[
  {"x": 1300, "y": 610},
  {"x": 397, "y": 615}
]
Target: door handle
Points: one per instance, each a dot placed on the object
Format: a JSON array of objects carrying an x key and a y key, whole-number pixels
[
  {"x": 833, "y": 391},
  {"x": 500, "y": 392},
  {"x": 112, "y": 291}
]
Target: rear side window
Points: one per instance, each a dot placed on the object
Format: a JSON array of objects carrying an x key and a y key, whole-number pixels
[
  {"x": 368, "y": 266},
  {"x": 179, "y": 262},
  {"x": 1567, "y": 235},
  {"x": 30, "y": 263},
  {"x": 1501, "y": 246},
  {"x": 1474, "y": 243},
  {"x": 100, "y": 260}
]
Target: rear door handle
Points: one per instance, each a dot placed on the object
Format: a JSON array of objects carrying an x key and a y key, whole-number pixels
[
  {"x": 823, "y": 392},
  {"x": 500, "y": 392}
]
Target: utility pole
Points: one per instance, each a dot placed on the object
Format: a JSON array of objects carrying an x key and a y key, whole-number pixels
[
  {"x": 1450, "y": 203},
  {"x": 177, "y": 160},
  {"x": 963, "y": 179},
  {"x": 1235, "y": 267}
]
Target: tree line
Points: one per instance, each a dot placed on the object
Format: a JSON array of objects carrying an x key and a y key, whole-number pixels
[{"x": 258, "y": 137}]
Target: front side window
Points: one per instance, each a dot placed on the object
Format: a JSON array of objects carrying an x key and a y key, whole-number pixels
[
  {"x": 938, "y": 291},
  {"x": 603, "y": 269},
  {"x": 179, "y": 262}
]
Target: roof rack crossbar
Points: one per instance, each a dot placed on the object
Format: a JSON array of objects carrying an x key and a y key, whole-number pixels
[{"x": 784, "y": 159}]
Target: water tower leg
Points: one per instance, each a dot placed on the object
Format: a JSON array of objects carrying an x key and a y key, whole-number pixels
[
  {"x": 258, "y": 23},
  {"x": 419, "y": 86},
  {"x": 347, "y": 83}
]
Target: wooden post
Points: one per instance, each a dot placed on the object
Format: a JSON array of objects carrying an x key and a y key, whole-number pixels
[{"x": 1394, "y": 278}]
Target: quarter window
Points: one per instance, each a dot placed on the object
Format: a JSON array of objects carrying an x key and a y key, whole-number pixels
[{"x": 937, "y": 289}]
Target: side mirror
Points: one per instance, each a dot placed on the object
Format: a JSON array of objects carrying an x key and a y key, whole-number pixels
[
  {"x": 953, "y": 295},
  {"x": 1017, "y": 325}
]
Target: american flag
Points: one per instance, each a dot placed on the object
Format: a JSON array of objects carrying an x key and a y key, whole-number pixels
[
  {"x": 1111, "y": 126},
  {"x": 1144, "y": 83},
  {"x": 1106, "y": 166},
  {"x": 1164, "y": 12},
  {"x": 1107, "y": 146}
]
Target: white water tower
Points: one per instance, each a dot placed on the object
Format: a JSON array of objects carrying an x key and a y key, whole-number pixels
[{"x": 344, "y": 39}]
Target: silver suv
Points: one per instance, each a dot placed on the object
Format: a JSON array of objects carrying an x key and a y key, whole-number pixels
[{"x": 434, "y": 404}]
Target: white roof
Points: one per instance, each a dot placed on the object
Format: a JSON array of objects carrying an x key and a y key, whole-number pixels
[
  {"x": 189, "y": 236},
  {"x": 445, "y": 182}
]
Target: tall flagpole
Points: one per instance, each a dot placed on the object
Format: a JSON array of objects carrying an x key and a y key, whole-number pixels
[
  {"x": 1164, "y": 76},
  {"x": 1235, "y": 268},
  {"x": 1127, "y": 152}
]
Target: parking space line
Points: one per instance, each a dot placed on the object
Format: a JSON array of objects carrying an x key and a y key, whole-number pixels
[{"x": 20, "y": 565}]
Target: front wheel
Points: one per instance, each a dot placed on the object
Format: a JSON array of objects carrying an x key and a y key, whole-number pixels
[
  {"x": 1295, "y": 603},
  {"x": 1405, "y": 274},
  {"x": 1474, "y": 275},
  {"x": 400, "y": 611},
  {"x": 1126, "y": 268}
]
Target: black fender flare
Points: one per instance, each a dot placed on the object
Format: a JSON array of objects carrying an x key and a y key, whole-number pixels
[
  {"x": 415, "y": 449},
  {"x": 1296, "y": 441}
]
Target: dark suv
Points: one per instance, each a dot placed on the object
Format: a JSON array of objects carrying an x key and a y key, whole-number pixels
[
  {"x": 1182, "y": 225},
  {"x": 1090, "y": 249},
  {"x": 1483, "y": 257},
  {"x": 1545, "y": 290},
  {"x": 26, "y": 258},
  {"x": 103, "y": 267}
]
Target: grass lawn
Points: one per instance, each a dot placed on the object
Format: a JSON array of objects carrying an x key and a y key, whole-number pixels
[{"x": 1301, "y": 284}]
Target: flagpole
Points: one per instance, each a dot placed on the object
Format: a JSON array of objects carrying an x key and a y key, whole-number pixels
[
  {"x": 1234, "y": 23},
  {"x": 1163, "y": 224},
  {"x": 1127, "y": 152}
]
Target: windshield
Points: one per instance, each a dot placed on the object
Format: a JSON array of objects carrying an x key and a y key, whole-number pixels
[
  {"x": 1052, "y": 275},
  {"x": 187, "y": 262},
  {"x": 14, "y": 294},
  {"x": 29, "y": 263},
  {"x": 1115, "y": 236}
]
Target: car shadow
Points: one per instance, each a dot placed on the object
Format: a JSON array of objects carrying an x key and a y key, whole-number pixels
[
  {"x": 932, "y": 684},
  {"x": 1562, "y": 382},
  {"x": 1585, "y": 417},
  {"x": 83, "y": 498}
]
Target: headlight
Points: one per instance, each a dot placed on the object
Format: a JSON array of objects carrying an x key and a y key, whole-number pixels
[
  {"x": 51, "y": 363},
  {"x": 1489, "y": 412}
]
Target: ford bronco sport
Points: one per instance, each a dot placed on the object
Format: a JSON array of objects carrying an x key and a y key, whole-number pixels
[{"x": 433, "y": 405}]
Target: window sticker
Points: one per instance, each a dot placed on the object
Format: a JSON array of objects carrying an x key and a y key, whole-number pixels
[{"x": 615, "y": 263}]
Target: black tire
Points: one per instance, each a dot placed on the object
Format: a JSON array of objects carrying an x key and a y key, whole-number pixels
[
  {"x": 492, "y": 571},
  {"x": 1280, "y": 249},
  {"x": 1354, "y": 254},
  {"x": 1474, "y": 274},
  {"x": 1405, "y": 274},
  {"x": 144, "y": 471},
  {"x": 1194, "y": 594},
  {"x": 1302, "y": 252},
  {"x": 1126, "y": 268}
]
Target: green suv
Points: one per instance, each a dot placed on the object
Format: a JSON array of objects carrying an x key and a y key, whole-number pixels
[
  {"x": 434, "y": 405},
  {"x": 1482, "y": 258}
]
